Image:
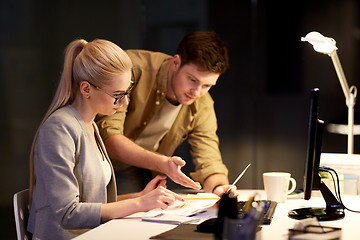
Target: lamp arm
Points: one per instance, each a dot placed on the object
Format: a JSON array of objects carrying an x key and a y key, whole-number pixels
[
  {"x": 350, "y": 96},
  {"x": 341, "y": 75}
]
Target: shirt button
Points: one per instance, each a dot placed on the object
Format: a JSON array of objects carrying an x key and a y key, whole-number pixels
[
  {"x": 157, "y": 91},
  {"x": 157, "y": 102},
  {"x": 145, "y": 123}
]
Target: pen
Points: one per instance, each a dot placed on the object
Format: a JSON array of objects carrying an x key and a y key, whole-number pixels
[
  {"x": 237, "y": 179},
  {"x": 248, "y": 204}
]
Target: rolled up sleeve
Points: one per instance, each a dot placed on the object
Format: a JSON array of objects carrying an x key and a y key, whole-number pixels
[{"x": 204, "y": 145}]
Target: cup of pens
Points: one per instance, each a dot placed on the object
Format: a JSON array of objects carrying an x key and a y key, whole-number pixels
[{"x": 244, "y": 228}]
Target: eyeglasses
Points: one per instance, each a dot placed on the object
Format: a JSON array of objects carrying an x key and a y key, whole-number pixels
[{"x": 118, "y": 98}]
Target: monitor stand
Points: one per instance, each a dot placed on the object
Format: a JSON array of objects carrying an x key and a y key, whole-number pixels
[{"x": 334, "y": 209}]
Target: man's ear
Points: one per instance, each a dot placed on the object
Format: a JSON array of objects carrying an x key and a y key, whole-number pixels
[{"x": 176, "y": 60}]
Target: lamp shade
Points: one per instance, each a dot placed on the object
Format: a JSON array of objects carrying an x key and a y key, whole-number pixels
[{"x": 320, "y": 43}]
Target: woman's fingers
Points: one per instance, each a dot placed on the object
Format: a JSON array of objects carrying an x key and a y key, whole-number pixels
[{"x": 168, "y": 197}]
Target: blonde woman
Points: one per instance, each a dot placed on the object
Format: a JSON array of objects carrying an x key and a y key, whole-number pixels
[{"x": 72, "y": 182}]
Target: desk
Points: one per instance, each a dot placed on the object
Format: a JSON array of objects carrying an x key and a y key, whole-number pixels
[{"x": 138, "y": 230}]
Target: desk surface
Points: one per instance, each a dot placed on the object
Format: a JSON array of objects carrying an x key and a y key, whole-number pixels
[{"x": 278, "y": 229}]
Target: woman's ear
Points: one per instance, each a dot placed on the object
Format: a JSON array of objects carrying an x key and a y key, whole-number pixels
[{"x": 85, "y": 89}]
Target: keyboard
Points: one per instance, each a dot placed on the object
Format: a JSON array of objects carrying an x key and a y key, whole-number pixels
[{"x": 269, "y": 210}]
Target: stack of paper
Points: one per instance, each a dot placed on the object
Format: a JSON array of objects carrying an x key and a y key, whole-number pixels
[{"x": 192, "y": 210}]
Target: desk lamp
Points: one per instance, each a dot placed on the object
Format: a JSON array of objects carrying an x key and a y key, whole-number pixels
[{"x": 327, "y": 46}]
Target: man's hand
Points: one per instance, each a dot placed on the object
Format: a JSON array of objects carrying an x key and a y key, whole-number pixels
[
  {"x": 173, "y": 171},
  {"x": 220, "y": 190}
]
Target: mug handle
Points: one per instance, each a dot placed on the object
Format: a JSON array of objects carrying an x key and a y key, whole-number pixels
[{"x": 293, "y": 185}]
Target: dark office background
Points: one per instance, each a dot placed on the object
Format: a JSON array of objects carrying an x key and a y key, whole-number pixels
[{"x": 262, "y": 101}]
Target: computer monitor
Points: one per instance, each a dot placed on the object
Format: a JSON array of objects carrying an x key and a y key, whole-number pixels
[{"x": 312, "y": 180}]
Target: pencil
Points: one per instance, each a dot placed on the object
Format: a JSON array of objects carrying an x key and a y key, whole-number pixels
[{"x": 237, "y": 179}]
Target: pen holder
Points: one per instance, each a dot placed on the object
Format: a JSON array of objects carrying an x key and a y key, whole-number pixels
[
  {"x": 240, "y": 229},
  {"x": 228, "y": 208},
  {"x": 245, "y": 228}
]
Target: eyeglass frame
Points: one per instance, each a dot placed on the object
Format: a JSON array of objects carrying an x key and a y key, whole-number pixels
[{"x": 117, "y": 99}]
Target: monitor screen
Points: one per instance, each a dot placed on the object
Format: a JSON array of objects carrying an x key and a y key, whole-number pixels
[
  {"x": 313, "y": 151},
  {"x": 312, "y": 180}
]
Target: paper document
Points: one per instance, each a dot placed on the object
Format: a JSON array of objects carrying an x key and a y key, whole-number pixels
[
  {"x": 168, "y": 219},
  {"x": 181, "y": 212}
]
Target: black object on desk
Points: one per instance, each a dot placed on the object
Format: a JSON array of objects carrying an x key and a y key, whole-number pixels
[
  {"x": 312, "y": 180},
  {"x": 228, "y": 207},
  {"x": 210, "y": 225}
]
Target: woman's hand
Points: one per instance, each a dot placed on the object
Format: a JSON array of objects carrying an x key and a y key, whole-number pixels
[
  {"x": 158, "y": 198},
  {"x": 157, "y": 181},
  {"x": 154, "y": 195}
]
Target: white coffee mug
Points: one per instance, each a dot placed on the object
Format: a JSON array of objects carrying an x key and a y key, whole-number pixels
[{"x": 276, "y": 185}]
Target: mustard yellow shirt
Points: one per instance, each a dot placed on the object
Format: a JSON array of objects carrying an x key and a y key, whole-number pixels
[{"x": 195, "y": 123}]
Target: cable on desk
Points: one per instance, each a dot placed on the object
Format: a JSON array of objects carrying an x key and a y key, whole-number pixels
[{"x": 331, "y": 171}]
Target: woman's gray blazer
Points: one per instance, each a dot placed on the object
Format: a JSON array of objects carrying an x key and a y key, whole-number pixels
[{"x": 70, "y": 185}]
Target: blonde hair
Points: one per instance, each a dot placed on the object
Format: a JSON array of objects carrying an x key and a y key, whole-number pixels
[{"x": 97, "y": 62}]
